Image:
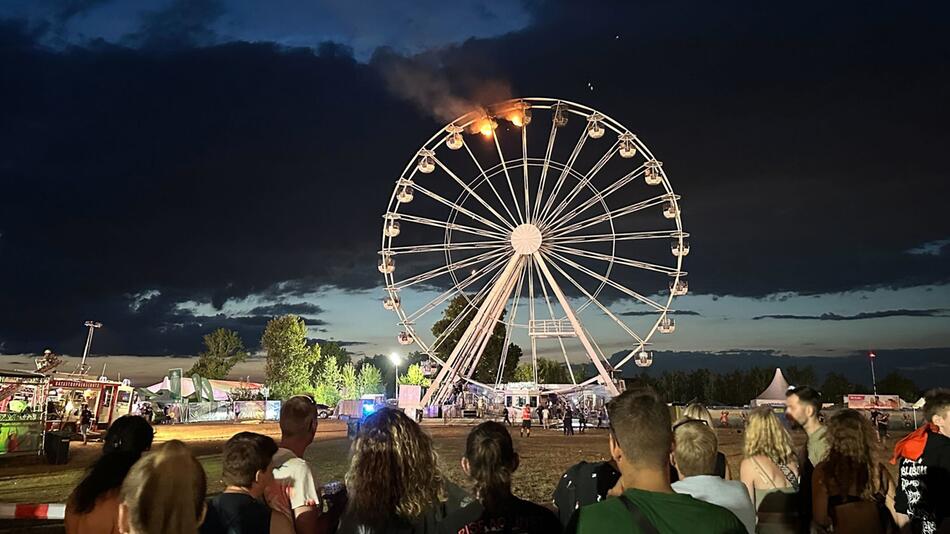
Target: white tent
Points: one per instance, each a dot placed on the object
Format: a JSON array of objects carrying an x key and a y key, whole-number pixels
[
  {"x": 221, "y": 388},
  {"x": 775, "y": 393}
]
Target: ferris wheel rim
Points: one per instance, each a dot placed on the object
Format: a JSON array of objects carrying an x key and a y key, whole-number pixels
[{"x": 541, "y": 103}]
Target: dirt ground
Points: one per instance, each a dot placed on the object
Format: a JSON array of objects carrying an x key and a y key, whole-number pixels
[{"x": 545, "y": 455}]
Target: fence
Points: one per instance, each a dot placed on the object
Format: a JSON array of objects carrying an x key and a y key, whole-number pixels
[{"x": 202, "y": 412}]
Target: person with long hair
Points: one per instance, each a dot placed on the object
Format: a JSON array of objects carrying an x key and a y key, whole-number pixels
[
  {"x": 852, "y": 492},
  {"x": 490, "y": 460},
  {"x": 394, "y": 482},
  {"x": 769, "y": 470},
  {"x": 164, "y": 492},
  {"x": 93, "y": 506}
]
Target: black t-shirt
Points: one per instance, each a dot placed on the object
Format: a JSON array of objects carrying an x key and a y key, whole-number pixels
[
  {"x": 923, "y": 490},
  {"x": 236, "y": 513},
  {"x": 515, "y": 516},
  {"x": 427, "y": 523},
  {"x": 583, "y": 483}
]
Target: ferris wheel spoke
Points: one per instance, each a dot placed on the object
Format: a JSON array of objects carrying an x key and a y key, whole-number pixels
[
  {"x": 460, "y": 318},
  {"x": 600, "y": 305},
  {"x": 455, "y": 227},
  {"x": 472, "y": 192},
  {"x": 446, "y": 247},
  {"x": 469, "y": 280},
  {"x": 613, "y": 214},
  {"x": 581, "y": 184},
  {"x": 511, "y": 187},
  {"x": 606, "y": 192},
  {"x": 647, "y": 266},
  {"x": 544, "y": 172},
  {"x": 623, "y": 289},
  {"x": 623, "y": 236},
  {"x": 509, "y": 326},
  {"x": 524, "y": 165},
  {"x": 563, "y": 176},
  {"x": 481, "y": 171},
  {"x": 445, "y": 269},
  {"x": 471, "y": 214},
  {"x": 560, "y": 341}
]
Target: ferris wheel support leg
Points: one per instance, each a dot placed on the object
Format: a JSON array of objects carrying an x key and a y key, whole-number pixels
[
  {"x": 491, "y": 318},
  {"x": 472, "y": 336},
  {"x": 576, "y": 324}
]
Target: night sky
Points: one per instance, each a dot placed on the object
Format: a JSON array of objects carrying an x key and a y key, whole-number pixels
[{"x": 173, "y": 166}]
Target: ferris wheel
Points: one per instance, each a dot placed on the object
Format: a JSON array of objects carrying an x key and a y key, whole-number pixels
[{"x": 541, "y": 221}]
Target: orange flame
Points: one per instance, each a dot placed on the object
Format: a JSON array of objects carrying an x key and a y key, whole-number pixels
[
  {"x": 516, "y": 118},
  {"x": 485, "y": 126}
]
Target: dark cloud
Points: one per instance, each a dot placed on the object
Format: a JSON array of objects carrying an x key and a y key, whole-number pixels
[
  {"x": 647, "y": 313},
  {"x": 217, "y": 172},
  {"x": 63, "y": 10},
  {"x": 298, "y": 308},
  {"x": 183, "y": 23},
  {"x": 938, "y": 312}
]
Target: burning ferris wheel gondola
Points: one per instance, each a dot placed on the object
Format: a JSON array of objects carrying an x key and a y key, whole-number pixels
[{"x": 546, "y": 237}]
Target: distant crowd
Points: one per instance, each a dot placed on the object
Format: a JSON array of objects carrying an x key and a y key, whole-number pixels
[{"x": 664, "y": 476}]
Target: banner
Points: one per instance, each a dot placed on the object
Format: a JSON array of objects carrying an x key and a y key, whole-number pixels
[
  {"x": 174, "y": 383},
  {"x": 874, "y": 402}
]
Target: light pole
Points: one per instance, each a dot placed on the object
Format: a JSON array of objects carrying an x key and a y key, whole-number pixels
[
  {"x": 92, "y": 325},
  {"x": 394, "y": 357},
  {"x": 871, "y": 357}
]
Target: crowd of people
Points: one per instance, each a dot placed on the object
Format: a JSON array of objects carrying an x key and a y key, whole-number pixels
[{"x": 662, "y": 476}]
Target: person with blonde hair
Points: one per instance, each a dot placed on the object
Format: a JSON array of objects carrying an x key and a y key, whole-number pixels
[
  {"x": 394, "y": 482},
  {"x": 694, "y": 457},
  {"x": 852, "y": 492},
  {"x": 164, "y": 492},
  {"x": 698, "y": 412},
  {"x": 770, "y": 472}
]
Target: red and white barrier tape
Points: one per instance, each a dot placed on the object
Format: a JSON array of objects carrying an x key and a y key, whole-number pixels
[{"x": 32, "y": 511}]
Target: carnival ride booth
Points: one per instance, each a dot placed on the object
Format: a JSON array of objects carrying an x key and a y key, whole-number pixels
[
  {"x": 67, "y": 394},
  {"x": 22, "y": 398}
]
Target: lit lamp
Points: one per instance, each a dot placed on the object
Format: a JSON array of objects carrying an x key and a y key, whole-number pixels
[{"x": 396, "y": 359}]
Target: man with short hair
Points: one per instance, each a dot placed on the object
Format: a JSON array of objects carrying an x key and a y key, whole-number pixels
[
  {"x": 694, "y": 456},
  {"x": 298, "y": 426},
  {"x": 923, "y": 489},
  {"x": 641, "y": 441},
  {"x": 802, "y": 409},
  {"x": 246, "y": 472},
  {"x": 526, "y": 420}
]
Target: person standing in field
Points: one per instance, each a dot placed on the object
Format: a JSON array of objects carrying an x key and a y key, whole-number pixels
[{"x": 526, "y": 421}]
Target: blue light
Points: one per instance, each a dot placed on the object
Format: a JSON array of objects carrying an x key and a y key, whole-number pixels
[{"x": 369, "y": 408}]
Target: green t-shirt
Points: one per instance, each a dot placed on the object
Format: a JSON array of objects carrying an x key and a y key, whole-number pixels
[
  {"x": 668, "y": 512},
  {"x": 818, "y": 445}
]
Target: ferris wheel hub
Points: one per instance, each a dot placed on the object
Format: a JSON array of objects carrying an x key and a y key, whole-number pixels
[{"x": 526, "y": 239}]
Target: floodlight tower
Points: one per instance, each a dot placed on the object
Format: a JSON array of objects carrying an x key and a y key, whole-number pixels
[{"x": 92, "y": 325}]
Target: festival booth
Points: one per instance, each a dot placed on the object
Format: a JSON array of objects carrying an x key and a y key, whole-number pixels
[
  {"x": 22, "y": 403},
  {"x": 197, "y": 399},
  {"x": 774, "y": 395}
]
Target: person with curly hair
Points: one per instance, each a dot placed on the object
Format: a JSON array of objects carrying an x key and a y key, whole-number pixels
[
  {"x": 394, "y": 482},
  {"x": 770, "y": 472},
  {"x": 490, "y": 460},
  {"x": 852, "y": 492}
]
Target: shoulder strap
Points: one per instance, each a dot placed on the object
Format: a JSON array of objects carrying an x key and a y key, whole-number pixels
[
  {"x": 763, "y": 473},
  {"x": 640, "y": 520},
  {"x": 789, "y": 476}
]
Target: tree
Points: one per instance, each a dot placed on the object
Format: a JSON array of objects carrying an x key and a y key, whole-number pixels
[
  {"x": 333, "y": 349},
  {"x": 523, "y": 373},
  {"x": 290, "y": 361},
  {"x": 351, "y": 388},
  {"x": 897, "y": 384},
  {"x": 370, "y": 381},
  {"x": 223, "y": 350},
  {"x": 414, "y": 377},
  {"x": 835, "y": 387},
  {"x": 801, "y": 376},
  {"x": 326, "y": 389},
  {"x": 487, "y": 367},
  {"x": 552, "y": 372}
]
